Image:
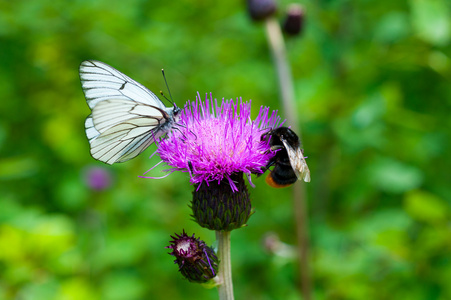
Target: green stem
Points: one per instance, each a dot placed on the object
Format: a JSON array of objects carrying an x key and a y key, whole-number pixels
[
  {"x": 279, "y": 53},
  {"x": 225, "y": 289},
  {"x": 277, "y": 46}
]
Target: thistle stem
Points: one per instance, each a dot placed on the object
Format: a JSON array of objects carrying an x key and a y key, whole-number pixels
[
  {"x": 277, "y": 46},
  {"x": 279, "y": 53},
  {"x": 225, "y": 289}
]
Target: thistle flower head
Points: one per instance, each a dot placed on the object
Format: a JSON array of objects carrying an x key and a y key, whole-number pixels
[
  {"x": 214, "y": 140},
  {"x": 197, "y": 262}
]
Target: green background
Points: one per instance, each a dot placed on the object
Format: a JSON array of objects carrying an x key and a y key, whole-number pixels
[{"x": 373, "y": 95}]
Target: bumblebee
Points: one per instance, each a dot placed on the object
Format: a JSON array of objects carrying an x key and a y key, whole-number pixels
[{"x": 289, "y": 162}]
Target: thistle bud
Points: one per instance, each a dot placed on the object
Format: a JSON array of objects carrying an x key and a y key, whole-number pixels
[
  {"x": 261, "y": 9},
  {"x": 218, "y": 207},
  {"x": 197, "y": 262},
  {"x": 294, "y": 21}
]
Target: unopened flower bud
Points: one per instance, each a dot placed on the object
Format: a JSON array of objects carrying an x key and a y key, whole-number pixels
[
  {"x": 197, "y": 262},
  {"x": 261, "y": 9},
  {"x": 294, "y": 21}
]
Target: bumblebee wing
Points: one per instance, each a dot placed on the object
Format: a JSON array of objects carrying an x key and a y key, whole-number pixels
[{"x": 297, "y": 161}]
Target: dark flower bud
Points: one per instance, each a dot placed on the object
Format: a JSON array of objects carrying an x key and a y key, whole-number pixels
[
  {"x": 217, "y": 207},
  {"x": 294, "y": 21},
  {"x": 197, "y": 262},
  {"x": 261, "y": 9}
]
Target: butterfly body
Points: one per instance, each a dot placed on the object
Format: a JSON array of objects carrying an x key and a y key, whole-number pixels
[
  {"x": 125, "y": 118},
  {"x": 289, "y": 162}
]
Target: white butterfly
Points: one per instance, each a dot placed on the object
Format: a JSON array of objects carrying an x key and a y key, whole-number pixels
[{"x": 126, "y": 117}]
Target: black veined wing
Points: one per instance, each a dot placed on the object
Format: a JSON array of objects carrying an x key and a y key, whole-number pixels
[{"x": 126, "y": 117}]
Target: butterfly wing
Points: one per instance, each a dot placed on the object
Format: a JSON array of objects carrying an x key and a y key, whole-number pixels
[
  {"x": 126, "y": 117},
  {"x": 297, "y": 161},
  {"x": 119, "y": 130},
  {"x": 102, "y": 82}
]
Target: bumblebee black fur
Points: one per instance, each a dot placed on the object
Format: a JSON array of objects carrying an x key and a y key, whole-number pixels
[{"x": 282, "y": 174}]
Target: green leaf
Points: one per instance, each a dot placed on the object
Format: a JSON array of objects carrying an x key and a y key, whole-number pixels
[
  {"x": 426, "y": 207},
  {"x": 430, "y": 19},
  {"x": 392, "y": 27},
  {"x": 393, "y": 176}
]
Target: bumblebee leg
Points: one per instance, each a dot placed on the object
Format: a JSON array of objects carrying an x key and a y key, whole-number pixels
[{"x": 276, "y": 147}]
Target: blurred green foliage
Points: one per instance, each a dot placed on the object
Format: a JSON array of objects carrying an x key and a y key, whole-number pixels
[{"x": 373, "y": 86}]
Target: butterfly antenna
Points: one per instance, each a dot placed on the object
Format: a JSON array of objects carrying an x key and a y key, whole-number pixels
[
  {"x": 164, "y": 96},
  {"x": 167, "y": 86}
]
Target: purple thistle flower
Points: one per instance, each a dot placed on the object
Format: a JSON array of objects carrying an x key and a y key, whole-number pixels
[
  {"x": 214, "y": 141},
  {"x": 97, "y": 178}
]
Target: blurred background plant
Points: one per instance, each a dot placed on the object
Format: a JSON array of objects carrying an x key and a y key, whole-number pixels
[{"x": 373, "y": 85}]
